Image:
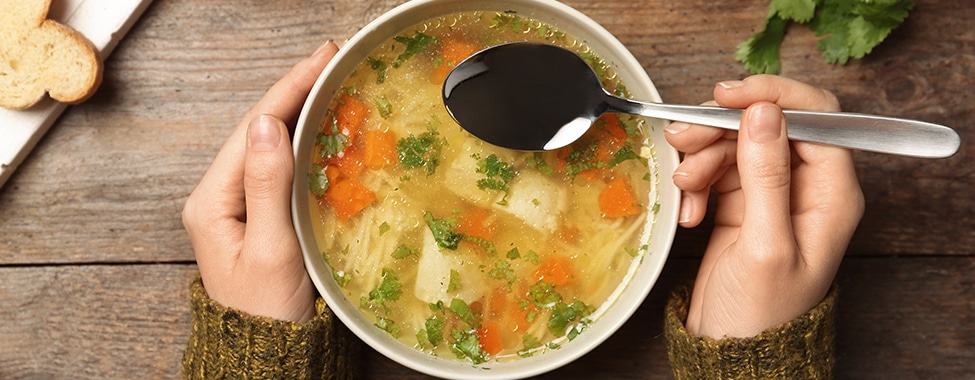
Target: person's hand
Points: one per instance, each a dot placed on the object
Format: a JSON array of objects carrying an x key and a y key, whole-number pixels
[
  {"x": 239, "y": 217},
  {"x": 786, "y": 211}
]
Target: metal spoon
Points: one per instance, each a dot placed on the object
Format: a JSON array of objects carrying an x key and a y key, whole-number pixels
[{"x": 535, "y": 96}]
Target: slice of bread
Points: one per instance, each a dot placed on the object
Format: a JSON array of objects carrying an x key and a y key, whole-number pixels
[{"x": 40, "y": 56}]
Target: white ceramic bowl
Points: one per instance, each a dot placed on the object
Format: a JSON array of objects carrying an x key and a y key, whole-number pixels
[{"x": 642, "y": 277}]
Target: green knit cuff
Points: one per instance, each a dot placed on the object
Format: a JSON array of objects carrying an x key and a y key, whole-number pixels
[
  {"x": 799, "y": 349},
  {"x": 230, "y": 344}
]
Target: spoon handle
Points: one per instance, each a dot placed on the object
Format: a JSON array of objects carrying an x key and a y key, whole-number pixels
[{"x": 850, "y": 130}]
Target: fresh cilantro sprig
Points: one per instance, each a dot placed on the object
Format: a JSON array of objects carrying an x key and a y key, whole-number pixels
[{"x": 847, "y": 29}]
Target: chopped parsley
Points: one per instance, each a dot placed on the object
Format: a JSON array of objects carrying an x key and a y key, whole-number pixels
[
  {"x": 379, "y": 65},
  {"x": 388, "y": 290},
  {"x": 497, "y": 175},
  {"x": 460, "y": 308},
  {"x": 332, "y": 142},
  {"x": 537, "y": 162},
  {"x": 625, "y": 153},
  {"x": 385, "y": 109},
  {"x": 317, "y": 180},
  {"x": 433, "y": 331},
  {"x": 502, "y": 271},
  {"x": 415, "y": 45},
  {"x": 444, "y": 231},
  {"x": 563, "y": 314},
  {"x": 383, "y": 228},
  {"x": 403, "y": 252},
  {"x": 387, "y": 325},
  {"x": 421, "y": 151},
  {"x": 454, "y": 282},
  {"x": 513, "y": 254},
  {"x": 529, "y": 344},
  {"x": 544, "y": 296},
  {"x": 468, "y": 344}
]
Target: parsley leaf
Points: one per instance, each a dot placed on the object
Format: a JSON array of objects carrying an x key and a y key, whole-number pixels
[
  {"x": 497, "y": 175},
  {"x": 421, "y": 151},
  {"x": 388, "y": 290},
  {"x": 385, "y": 109},
  {"x": 846, "y": 29},
  {"x": 379, "y": 65},
  {"x": 317, "y": 180},
  {"x": 444, "y": 230},
  {"x": 417, "y": 44},
  {"x": 332, "y": 142}
]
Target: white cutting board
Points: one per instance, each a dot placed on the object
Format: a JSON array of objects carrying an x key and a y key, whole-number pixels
[{"x": 104, "y": 22}]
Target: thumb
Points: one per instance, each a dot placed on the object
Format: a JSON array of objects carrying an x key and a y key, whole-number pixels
[
  {"x": 268, "y": 171},
  {"x": 764, "y": 167}
]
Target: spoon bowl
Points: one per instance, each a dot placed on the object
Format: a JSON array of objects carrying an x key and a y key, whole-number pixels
[{"x": 536, "y": 96}]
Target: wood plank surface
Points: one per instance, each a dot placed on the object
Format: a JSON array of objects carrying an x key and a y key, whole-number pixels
[{"x": 94, "y": 260}]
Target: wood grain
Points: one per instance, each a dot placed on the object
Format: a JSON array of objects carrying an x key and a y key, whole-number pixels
[{"x": 94, "y": 260}]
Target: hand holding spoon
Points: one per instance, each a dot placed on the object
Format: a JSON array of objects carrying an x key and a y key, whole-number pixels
[{"x": 534, "y": 96}]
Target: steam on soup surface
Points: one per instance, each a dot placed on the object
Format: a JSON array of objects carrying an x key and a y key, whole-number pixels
[{"x": 459, "y": 248}]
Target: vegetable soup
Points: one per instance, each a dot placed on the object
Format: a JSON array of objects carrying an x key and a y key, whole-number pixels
[{"x": 459, "y": 248}]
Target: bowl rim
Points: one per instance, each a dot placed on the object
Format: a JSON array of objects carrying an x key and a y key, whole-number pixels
[{"x": 627, "y": 301}]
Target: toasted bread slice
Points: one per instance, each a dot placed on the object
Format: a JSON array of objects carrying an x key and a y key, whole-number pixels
[{"x": 40, "y": 56}]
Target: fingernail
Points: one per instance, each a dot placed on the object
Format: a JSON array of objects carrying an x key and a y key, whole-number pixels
[
  {"x": 729, "y": 84},
  {"x": 322, "y": 48},
  {"x": 685, "y": 210},
  {"x": 264, "y": 133},
  {"x": 677, "y": 127},
  {"x": 764, "y": 123}
]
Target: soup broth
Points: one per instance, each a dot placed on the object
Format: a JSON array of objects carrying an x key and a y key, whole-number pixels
[{"x": 459, "y": 248}]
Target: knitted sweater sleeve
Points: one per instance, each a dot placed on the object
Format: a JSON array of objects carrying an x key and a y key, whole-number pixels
[
  {"x": 799, "y": 349},
  {"x": 229, "y": 344}
]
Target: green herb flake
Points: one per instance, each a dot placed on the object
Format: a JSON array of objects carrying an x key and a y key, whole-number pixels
[
  {"x": 341, "y": 277},
  {"x": 468, "y": 345},
  {"x": 624, "y": 154},
  {"x": 403, "y": 252},
  {"x": 454, "y": 284},
  {"x": 415, "y": 45},
  {"x": 513, "y": 254},
  {"x": 529, "y": 344},
  {"x": 379, "y": 65},
  {"x": 544, "y": 295},
  {"x": 497, "y": 175},
  {"x": 332, "y": 142},
  {"x": 388, "y": 325},
  {"x": 537, "y": 162},
  {"x": 502, "y": 271},
  {"x": 383, "y": 228},
  {"x": 433, "y": 330},
  {"x": 532, "y": 257},
  {"x": 388, "y": 290},
  {"x": 444, "y": 231},
  {"x": 563, "y": 314},
  {"x": 421, "y": 151},
  {"x": 385, "y": 109},
  {"x": 462, "y": 310},
  {"x": 318, "y": 181}
]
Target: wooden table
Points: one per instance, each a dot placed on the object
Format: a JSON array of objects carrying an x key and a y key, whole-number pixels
[{"x": 94, "y": 262}]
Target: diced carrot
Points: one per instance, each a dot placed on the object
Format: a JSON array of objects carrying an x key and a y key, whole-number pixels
[
  {"x": 452, "y": 52},
  {"x": 379, "y": 149},
  {"x": 350, "y": 162},
  {"x": 497, "y": 303},
  {"x": 554, "y": 270},
  {"x": 611, "y": 130},
  {"x": 475, "y": 222},
  {"x": 518, "y": 321},
  {"x": 350, "y": 116},
  {"x": 490, "y": 335},
  {"x": 348, "y": 197},
  {"x": 618, "y": 200}
]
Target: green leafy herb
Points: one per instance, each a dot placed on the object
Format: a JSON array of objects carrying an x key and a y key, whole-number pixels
[
  {"x": 532, "y": 257},
  {"x": 385, "y": 109},
  {"x": 625, "y": 153},
  {"x": 502, "y": 271},
  {"x": 544, "y": 295},
  {"x": 341, "y": 277},
  {"x": 513, "y": 254},
  {"x": 847, "y": 29},
  {"x": 421, "y": 151},
  {"x": 497, "y": 175},
  {"x": 444, "y": 230},
  {"x": 485, "y": 244},
  {"x": 563, "y": 314},
  {"x": 433, "y": 330},
  {"x": 403, "y": 252},
  {"x": 379, "y": 65},
  {"x": 454, "y": 284},
  {"x": 537, "y": 162},
  {"x": 332, "y": 142},
  {"x": 468, "y": 344},
  {"x": 460, "y": 308},
  {"x": 383, "y": 228},
  {"x": 387, "y": 325},
  {"x": 417, "y": 44},
  {"x": 388, "y": 290},
  {"x": 529, "y": 345},
  {"x": 317, "y": 180}
]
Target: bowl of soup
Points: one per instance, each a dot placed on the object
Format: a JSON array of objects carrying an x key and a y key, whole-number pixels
[{"x": 461, "y": 259}]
